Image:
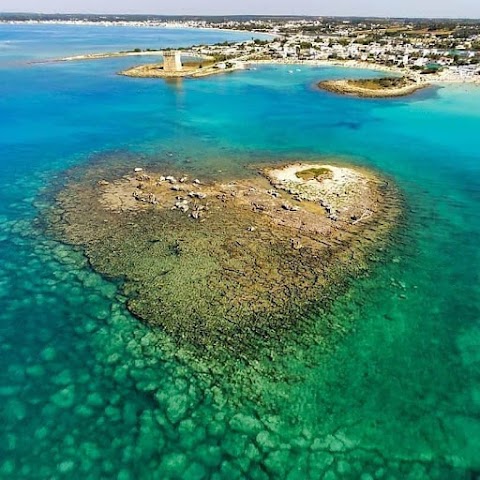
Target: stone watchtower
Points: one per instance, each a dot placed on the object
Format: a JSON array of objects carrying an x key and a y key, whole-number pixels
[{"x": 172, "y": 61}]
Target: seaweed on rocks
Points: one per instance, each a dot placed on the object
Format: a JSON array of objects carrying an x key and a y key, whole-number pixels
[{"x": 223, "y": 277}]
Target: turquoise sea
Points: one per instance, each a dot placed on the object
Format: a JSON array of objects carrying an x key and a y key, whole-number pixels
[{"x": 88, "y": 392}]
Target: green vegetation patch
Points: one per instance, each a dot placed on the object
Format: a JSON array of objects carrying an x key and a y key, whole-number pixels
[
  {"x": 381, "y": 83},
  {"x": 313, "y": 173}
]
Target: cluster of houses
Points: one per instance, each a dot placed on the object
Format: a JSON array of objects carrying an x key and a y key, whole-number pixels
[
  {"x": 418, "y": 45},
  {"x": 390, "y": 53},
  {"x": 416, "y": 53}
]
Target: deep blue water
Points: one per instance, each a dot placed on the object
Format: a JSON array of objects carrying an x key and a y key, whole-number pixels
[{"x": 83, "y": 392}]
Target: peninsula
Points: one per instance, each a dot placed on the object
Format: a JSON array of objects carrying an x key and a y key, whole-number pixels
[
  {"x": 374, "y": 87},
  {"x": 202, "y": 67}
]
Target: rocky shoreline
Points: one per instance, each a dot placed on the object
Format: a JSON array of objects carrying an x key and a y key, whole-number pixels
[
  {"x": 362, "y": 88},
  {"x": 189, "y": 71},
  {"x": 228, "y": 267}
]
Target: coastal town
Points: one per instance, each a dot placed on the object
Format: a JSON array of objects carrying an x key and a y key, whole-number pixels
[
  {"x": 424, "y": 50},
  {"x": 446, "y": 51}
]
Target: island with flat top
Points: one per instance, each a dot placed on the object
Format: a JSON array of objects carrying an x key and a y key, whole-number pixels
[
  {"x": 173, "y": 67},
  {"x": 228, "y": 265},
  {"x": 373, "y": 87},
  {"x": 190, "y": 69}
]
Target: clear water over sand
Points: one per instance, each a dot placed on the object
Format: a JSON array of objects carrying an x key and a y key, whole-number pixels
[{"x": 89, "y": 392}]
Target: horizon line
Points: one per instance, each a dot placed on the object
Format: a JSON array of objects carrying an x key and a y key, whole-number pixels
[{"x": 260, "y": 15}]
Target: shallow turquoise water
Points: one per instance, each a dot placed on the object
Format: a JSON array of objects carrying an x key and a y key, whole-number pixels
[
  {"x": 37, "y": 42},
  {"x": 88, "y": 392}
]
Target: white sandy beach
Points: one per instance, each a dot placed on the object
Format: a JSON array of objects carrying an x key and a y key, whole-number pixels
[{"x": 446, "y": 76}]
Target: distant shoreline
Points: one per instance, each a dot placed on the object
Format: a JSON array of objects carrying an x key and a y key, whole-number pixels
[
  {"x": 423, "y": 80},
  {"x": 99, "y": 56},
  {"x": 136, "y": 25}
]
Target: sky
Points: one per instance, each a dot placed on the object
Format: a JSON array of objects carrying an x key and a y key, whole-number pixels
[{"x": 382, "y": 8}]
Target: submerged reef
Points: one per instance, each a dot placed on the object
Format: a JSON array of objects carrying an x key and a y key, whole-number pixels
[{"x": 228, "y": 266}]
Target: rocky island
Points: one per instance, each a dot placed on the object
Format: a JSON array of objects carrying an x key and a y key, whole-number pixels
[
  {"x": 374, "y": 87},
  {"x": 228, "y": 266},
  {"x": 173, "y": 67},
  {"x": 193, "y": 70}
]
